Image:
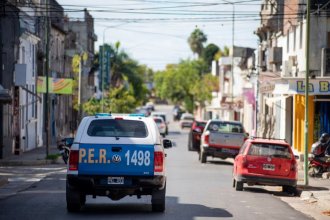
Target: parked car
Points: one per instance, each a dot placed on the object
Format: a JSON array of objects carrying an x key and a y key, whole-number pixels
[
  {"x": 143, "y": 110},
  {"x": 161, "y": 125},
  {"x": 186, "y": 120},
  {"x": 194, "y": 137},
  {"x": 115, "y": 156},
  {"x": 163, "y": 115},
  {"x": 265, "y": 162},
  {"x": 221, "y": 139}
]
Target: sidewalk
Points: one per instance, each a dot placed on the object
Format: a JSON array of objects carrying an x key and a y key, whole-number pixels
[
  {"x": 314, "y": 199},
  {"x": 35, "y": 157}
]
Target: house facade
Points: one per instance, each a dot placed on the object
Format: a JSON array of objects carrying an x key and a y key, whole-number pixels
[{"x": 282, "y": 76}]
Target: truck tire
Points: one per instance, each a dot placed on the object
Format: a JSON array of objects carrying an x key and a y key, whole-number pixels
[
  {"x": 290, "y": 190},
  {"x": 158, "y": 200},
  {"x": 74, "y": 199},
  {"x": 203, "y": 157},
  {"x": 239, "y": 185}
]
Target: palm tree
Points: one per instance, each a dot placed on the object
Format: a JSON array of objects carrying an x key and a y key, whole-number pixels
[{"x": 196, "y": 40}]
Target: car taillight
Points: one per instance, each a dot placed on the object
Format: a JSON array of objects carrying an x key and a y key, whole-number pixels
[
  {"x": 158, "y": 161},
  {"x": 73, "y": 159},
  {"x": 244, "y": 162},
  {"x": 206, "y": 139},
  {"x": 293, "y": 165}
]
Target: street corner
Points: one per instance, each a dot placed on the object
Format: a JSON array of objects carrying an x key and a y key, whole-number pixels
[{"x": 3, "y": 181}]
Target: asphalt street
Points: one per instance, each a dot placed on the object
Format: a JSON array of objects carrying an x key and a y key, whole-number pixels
[{"x": 194, "y": 191}]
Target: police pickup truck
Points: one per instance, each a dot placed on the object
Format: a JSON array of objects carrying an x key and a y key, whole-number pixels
[
  {"x": 116, "y": 156},
  {"x": 221, "y": 139}
]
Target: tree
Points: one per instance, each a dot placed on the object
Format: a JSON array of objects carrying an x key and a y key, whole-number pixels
[
  {"x": 196, "y": 40},
  {"x": 185, "y": 83},
  {"x": 209, "y": 53}
]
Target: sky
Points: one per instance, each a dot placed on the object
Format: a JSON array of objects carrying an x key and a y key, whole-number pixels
[{"x": 155, "y": 32}]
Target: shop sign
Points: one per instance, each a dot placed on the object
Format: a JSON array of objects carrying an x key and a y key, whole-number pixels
[{"x": 314, "y": 87}]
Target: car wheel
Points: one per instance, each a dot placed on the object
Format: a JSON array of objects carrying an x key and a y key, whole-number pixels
[
  {"x": 234, "y": 182},
  {"x": 290, "y": 190},
  {"x": 74, "y": 199},
  {"x": 158, "y": 200},
  {"x": 239, "y": 185}
]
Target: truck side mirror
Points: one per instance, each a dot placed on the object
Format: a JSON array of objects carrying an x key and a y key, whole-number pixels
[{"x": 167, "y": 143}]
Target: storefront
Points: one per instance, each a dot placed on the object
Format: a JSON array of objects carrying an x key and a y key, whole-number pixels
[{"x": 318, "y": 109}]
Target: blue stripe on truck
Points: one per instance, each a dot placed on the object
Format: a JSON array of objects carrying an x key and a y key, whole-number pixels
[{"x": 116, "y": 160}]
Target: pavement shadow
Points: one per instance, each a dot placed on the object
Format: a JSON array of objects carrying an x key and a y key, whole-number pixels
[
  {"x": 174, "y": 211},
  {"x": 220, "y": 162},
  {"x": 312, "y": 188},
  {"x": 271, "y": 192}
]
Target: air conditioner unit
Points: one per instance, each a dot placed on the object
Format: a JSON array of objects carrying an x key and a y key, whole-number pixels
[{"x": 287, "y": 69}]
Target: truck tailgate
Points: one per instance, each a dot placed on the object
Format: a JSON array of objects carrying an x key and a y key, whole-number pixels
[
  {"x": 223, "y": 139},
  {"x": 113, "y": 159}
]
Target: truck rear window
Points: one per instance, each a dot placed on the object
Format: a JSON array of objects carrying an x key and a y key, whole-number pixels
[
  {"x": 273, "y": 150},
  {"x": 117, "y": 128},
  {"x": 225, "y": 127}
]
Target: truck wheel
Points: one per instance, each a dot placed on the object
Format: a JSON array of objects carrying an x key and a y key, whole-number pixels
[
  {"x": 203, "y": 157},
  {"x": 190, "y": 144},
  {"x": 239, "y": 185},
  {"x": 74, "y": 199},
  {"x": 158, "y": 200}
]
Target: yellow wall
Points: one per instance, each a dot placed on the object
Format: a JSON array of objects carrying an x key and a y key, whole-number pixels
[{"x": 299, "y": 122}]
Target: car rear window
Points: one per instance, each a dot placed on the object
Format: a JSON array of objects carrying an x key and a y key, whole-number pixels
[
  {"x": 200, "y": 124},
  {"x": 225, "y": 127},
  {"x": 117, "y": 128},
  {"x": 273, "y": 150}
]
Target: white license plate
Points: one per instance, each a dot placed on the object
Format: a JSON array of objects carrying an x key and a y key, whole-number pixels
[
  {"x": 116, "y": 180},
  {"x": 270, "y": 167}
]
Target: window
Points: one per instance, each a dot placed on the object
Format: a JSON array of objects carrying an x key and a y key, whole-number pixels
[
  {"x": 274, "y": 150},
  {"x": 117, "y": 128},
  {"x": 228, "y": 127}
]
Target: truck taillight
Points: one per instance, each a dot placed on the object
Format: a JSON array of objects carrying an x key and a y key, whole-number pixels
[
  {"x": 158, "y": 161},
  {"x": 206, "y": 139},
  {"x": 73, "y": 160}
]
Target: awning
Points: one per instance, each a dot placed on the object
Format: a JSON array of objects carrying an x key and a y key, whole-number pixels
[{"x": 5, "y": 97}]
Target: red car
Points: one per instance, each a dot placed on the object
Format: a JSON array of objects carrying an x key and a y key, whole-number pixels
[
  {"x": 265, "y": 162},
  {"x": 194, "y": 137}
]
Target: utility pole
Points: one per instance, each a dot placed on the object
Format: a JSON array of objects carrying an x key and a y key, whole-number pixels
[
  {"x": 306, "y": 93},
  {"x": 232, "y": 56},
  {"x": 47, "y": 78}
]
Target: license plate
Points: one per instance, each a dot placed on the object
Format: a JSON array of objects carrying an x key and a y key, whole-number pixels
[
  {"x": 230, "y": 151},
  {"x": 116, "y": 180},
  {"x": 270, "y": 167}
]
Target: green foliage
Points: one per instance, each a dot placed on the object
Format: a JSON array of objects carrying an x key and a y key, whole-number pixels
[
  {"x": 185, "y": 83},
  {"x": 209, "y": 53},
  {"x": 196, "y": 41},
  {"x": 118, "y": 100}
]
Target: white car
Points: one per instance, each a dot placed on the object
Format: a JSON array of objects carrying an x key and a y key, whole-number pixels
[
  {"x": 163, "y": 115},
  {"x": 161, "y": 125},
  {"x": 186, "y": 120},
  {"x": 117, "y": 156}
]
